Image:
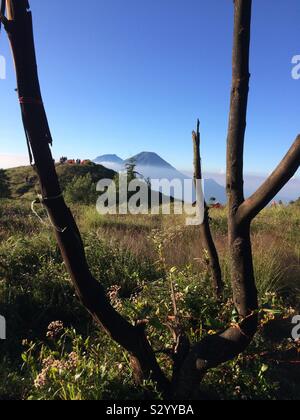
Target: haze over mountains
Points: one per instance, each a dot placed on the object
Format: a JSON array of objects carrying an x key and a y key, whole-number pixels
[
  {"x": 151, "y": 165},
  {"x": 113, "y": 162}
]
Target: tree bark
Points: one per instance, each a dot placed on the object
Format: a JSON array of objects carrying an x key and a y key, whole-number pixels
[
  {"x": 214, "y": 350},
  {"x": 205, "y": 232},
  {"x": 242, "y": 273},
  {"x": 217, "y": 349},
  {"x": 89, "y": 290}
]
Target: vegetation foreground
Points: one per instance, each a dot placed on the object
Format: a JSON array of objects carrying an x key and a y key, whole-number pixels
[{"x": 54, "y": 352}]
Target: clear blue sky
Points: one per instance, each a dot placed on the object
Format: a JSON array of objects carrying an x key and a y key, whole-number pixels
[{"x": 128, "y": 76}]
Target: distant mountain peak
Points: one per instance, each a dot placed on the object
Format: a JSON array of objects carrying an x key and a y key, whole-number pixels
[
  {"x": 151, "y": 165},
  {"x": 109, "y": 158},
  {"x": 149, "y": 159}
]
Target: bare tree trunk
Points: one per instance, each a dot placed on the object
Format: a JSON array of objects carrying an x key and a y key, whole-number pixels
[
  {"x": 242, "y": 273},
  {"x": 217, "y": 349},
  {"x": 205, "y": 232},
  {"x": 89, "y": 290}
]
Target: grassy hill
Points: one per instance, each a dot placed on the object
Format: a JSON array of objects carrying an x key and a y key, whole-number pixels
[
  {"x": 23, "y": 181},
  {"x": 78, "y": 182}
]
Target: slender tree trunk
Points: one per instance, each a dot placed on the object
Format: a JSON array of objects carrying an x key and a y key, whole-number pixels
[
  {"x": 89, "y": 290},
  {"x": 205, "y": 232},
  {"x": 217, "y": 349},
  {"x": 242, "y": 273}
]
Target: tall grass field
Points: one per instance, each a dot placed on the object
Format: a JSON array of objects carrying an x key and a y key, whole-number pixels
[{"x": 54, "y": 351}]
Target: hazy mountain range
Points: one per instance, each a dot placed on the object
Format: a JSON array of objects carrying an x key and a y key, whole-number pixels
[
  {"x": 150, "y": 162},
  {"x": 151, "y": 165}
]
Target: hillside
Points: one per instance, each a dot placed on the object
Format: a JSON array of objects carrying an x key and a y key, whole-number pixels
[
  {"x": 23, "y": 180},
  {"x": 23, "y": 183}
]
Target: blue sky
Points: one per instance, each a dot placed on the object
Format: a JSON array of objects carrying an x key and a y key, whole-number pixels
[{"x": 128, "y": 76}]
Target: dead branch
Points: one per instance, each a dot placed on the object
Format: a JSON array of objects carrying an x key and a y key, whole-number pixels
[
  {"x": 205, "y": 232},
  {"x": 89, "y": 290}
]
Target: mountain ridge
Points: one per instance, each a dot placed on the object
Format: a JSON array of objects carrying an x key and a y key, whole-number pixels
[
  {"x": 150, "y": 159},
  {"x": 109, "y": 158},
  {"x": 151, "y": 165}
]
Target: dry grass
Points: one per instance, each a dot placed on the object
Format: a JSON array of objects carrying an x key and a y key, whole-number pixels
[{"x": 275, "y": 239}]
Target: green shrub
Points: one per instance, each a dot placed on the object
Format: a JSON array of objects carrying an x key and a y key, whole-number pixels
[
  {"x": 35, "y": 290},
  {"x": 81, "y": 190}
]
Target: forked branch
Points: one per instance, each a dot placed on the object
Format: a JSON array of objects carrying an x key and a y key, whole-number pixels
[
  {"x": 89, "y": 290},
  {"x": 272, "y": 186},
  {"x": 205, "y": 232}
]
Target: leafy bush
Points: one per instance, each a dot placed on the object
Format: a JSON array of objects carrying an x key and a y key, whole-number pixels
[
  {"x": 71, "y": 367},
  {"x": 34, "y": 290},
  {"x": 82, "y": 363},
  {"x": 81, "y": 190}
]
